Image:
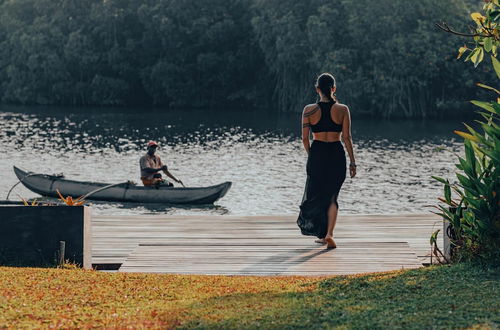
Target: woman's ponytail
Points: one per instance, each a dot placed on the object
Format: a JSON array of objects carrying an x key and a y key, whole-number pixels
[{"x": 325, "y": 83}]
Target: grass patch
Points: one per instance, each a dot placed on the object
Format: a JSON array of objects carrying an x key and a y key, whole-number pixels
[{"x": 458, "y": 296}]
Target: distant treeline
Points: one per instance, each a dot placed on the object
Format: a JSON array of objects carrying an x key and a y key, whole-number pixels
[{"x": 388, "y": 57}]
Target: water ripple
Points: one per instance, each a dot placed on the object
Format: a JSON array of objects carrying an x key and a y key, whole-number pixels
[{"x": 263, "y": 158}]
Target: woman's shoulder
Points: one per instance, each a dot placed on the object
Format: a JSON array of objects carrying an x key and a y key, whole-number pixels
[
  {"x": 310, "y": 108},
  {"x": 341, "y": 106}
]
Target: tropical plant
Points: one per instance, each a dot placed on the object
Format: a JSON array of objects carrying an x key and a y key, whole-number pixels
[
  {"x": 435, "y": 250},
  {"x": 474, "y": 214},
  {"x": 70, "y": 201},
  {"x": 28, "y": 203}
]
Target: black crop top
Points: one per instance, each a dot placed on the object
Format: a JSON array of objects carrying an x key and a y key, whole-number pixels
[{"x": 325, "y": 123}]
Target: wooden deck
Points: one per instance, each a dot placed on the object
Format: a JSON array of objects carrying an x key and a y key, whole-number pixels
[{"x": 260, "y": 245}]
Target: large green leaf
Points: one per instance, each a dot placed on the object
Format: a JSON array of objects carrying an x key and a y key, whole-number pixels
[
  {"x": 479, "y": 137},
  {"x": 477, "y": 57},
  {"x": 443, "y": 181},
  {"x": 467, "y": 185},
  {"x": 442, "y": 215},
  {"x": 488, "y": 43},
  {"x": 485, "y": 105},
  {"x": 472, "y": 203},
  {"x": 448, "y": 215},
  {"x": 471, "y": 130},
  {"x": 467, "y": 136},
  {"x": 457, "y": 191},
  {"x": 496, "y": 66},
  {"x": 461, "y": 51},
  {"x": 467, "y": 167},
  {"x": 497, "y": 152},
  {"x": 463, "y": 164},
  {"x": 433, "y": 238},
  {"x": 489, "y": 120},
  {"x": 481, "y": 188},
  {"x": 488, "y": 87},
  {"x": 470, "y": 157},
  {"x": 447, "y": 192},
  {"x": 491, "y": 154},
  {"x": 469, "y": 218},
  {"x": 467, "y": 182},
  {"x": 472, "y": 53},
  {"x": 484, "y": 115},
  {"x": 491, "y": 131},
  {"x": 455, "y": 219},
  {"x": 496, "y": 107}
]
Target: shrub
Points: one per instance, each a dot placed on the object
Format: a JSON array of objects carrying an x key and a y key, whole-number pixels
[{"x": 474, "y": 215}]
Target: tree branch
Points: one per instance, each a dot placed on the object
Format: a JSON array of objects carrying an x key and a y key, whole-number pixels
[{"x": 445, "y": 27}]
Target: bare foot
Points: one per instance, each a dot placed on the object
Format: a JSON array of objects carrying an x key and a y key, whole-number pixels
[
  {"x": 330, "y": 243},
  {"x": 320, "y": 241}
]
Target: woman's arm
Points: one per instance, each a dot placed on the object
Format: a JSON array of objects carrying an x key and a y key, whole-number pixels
[
  {"x": 347, "y": 138},
  {"x": 306, "y": 129}
]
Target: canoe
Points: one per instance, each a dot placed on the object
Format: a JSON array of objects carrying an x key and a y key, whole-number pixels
[{"x": 46, "y": 185}]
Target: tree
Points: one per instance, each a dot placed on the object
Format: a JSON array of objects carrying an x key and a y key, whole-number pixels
[{"x": 232, "y": 53}]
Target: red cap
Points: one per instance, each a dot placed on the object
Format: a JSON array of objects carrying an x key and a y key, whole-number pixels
[{"x": 152, "y": 144}]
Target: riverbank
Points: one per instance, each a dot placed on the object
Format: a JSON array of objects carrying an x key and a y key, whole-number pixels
[{"x": 457, "y": 296}]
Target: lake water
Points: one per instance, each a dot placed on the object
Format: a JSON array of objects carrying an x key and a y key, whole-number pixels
[{"x": 259, "y": 152}]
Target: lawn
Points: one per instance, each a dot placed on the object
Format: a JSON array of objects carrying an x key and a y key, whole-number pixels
[{"x": 458, "y": 296}]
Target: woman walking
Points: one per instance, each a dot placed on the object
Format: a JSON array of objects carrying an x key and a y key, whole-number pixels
[{"x": 329, "y": 121}]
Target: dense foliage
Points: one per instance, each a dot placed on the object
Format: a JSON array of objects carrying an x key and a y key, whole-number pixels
[
  {"x": 475, "y": 215},
  {"x": 389, "y": 58}
]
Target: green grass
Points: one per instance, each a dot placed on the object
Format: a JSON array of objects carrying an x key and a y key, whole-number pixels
[{"x": 458, "y": 296}]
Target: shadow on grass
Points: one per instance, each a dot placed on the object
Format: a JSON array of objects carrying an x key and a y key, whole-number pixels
[{"x": 455, "y": 296}]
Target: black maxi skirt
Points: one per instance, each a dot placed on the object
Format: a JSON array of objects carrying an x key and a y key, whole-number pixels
[{"x": 326, "y": 171}]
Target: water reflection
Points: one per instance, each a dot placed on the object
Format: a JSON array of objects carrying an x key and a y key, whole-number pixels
[{"x": 260, "y": 152}]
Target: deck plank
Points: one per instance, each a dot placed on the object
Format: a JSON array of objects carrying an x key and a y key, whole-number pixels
[
  {"x": 315, "y": 260},
  {"x": 160, "y": 243}
]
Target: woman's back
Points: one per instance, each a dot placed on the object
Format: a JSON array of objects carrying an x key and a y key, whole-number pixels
[{"x": 326, "y": 119}]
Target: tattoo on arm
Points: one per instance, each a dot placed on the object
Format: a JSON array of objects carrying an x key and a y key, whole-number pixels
[
  {"x": 306, "y": 125},
  {"x": 310, "y": 113}
]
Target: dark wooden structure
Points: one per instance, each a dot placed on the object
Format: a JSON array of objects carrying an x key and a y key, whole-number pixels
[{"x": 31, "y": 235}]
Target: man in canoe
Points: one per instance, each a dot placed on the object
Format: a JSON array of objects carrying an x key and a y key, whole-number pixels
[{"x": 151, "y": 165}]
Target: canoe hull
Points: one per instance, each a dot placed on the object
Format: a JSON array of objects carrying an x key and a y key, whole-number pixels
[{"x": 47, "y": 185}]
